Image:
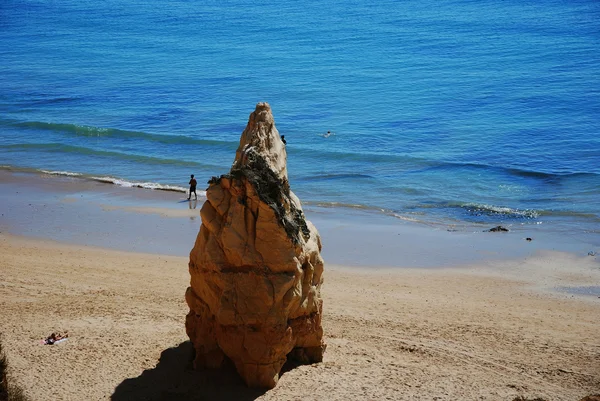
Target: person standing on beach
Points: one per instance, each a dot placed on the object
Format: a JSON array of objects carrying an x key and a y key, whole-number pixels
[{"x": 193, "y": 184}]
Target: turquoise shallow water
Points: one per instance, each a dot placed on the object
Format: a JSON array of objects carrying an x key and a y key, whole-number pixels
[{"x": 465, "y": 113}]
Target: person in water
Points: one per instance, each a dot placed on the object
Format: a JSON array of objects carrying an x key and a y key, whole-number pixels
[
  {"x": 193, "y": 184},
  {"x": 283, "y": 139}
]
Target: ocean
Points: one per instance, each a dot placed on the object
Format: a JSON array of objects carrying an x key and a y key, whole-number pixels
[{"x": 450, "y": 113}]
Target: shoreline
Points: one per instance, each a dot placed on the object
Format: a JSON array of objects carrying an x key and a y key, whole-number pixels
[
  {"x": 492, "y": 331},
  {"x": 556, "y": 226},
  {"x": 86, "y": 212}
]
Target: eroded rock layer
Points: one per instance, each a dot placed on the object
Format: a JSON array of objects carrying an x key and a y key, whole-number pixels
[{"x": 256, "y": 269}]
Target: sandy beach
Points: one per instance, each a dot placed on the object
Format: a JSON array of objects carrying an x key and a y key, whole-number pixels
[
  {"x": 502, "y": 326},
  {"x": 446, "y": 334}
]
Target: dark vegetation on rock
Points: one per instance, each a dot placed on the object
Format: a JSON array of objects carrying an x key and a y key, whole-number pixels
[
  {"x": 8, "y": 391},
  {"x": 275, "y": 192},
  {"x": 270, "y": 189}
]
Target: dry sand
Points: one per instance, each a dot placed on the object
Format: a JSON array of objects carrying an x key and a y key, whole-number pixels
[{"x": 486, "y": 332}]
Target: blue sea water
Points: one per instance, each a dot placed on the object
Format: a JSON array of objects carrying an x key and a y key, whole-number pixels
[{"x": 452, "y": 112}]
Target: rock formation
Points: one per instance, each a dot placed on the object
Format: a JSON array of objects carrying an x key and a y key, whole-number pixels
[
  {"x": 256, "y": 269},
  {"x": 497, "y": 229}
]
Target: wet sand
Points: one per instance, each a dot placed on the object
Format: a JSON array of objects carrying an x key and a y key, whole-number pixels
[
  {"x": 84, "y": 212},
  {"x": 491, "y": 318}
]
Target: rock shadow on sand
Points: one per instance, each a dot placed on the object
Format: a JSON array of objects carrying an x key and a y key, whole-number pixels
[{"x": 174, "y": 378}]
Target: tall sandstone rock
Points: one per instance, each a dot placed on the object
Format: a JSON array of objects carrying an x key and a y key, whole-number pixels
[{"x": 256, "y": 269}]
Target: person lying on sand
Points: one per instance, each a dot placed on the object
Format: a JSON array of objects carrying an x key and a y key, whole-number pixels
[{"x": 55, "y": 337}]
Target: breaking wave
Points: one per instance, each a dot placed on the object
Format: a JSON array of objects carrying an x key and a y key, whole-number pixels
[
  {"x": 91, "y": 131},
  {"x": 104, "y": 179},
  {"x": 476, "y": 209}
]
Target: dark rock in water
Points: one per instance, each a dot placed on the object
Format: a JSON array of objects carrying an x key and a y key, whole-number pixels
[
  {"x": 497, "y": 229},
  {"x": 529, "y": 239}
]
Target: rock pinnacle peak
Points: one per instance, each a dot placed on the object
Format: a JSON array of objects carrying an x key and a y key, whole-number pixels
[{"x": 262, "y": 138}]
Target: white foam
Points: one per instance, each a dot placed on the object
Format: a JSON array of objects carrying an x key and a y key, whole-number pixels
[
  {"x": 146, "y": 185},
  {"x": 503, "y": 210},
  {"x": 66, "y": 173}
]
